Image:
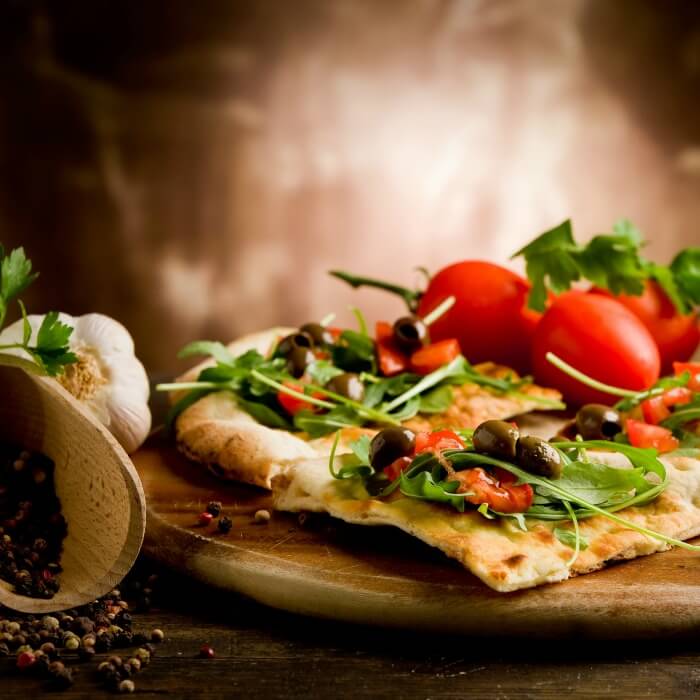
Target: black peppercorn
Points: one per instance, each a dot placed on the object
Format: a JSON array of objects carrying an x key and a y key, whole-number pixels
[
  {"x": 224, "y": 524},
  {"x": 214, "y": 508}
]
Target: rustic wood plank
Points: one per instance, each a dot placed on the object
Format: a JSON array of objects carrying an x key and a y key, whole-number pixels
[{"x": 270, "y": 654}]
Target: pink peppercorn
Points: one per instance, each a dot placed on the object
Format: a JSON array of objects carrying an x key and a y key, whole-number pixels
[
  {"x": 205, "y": 518},
  {"x": 25, "y": 660},
  {"x": 207, "y": 652}
]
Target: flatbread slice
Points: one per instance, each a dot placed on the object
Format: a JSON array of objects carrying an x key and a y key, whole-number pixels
[
  {"x": 215, "y": 432},
  {"x": 497, "y": 551}
]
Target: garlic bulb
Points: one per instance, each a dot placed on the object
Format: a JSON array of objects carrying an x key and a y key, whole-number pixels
[{"x": 108, "y": 377}]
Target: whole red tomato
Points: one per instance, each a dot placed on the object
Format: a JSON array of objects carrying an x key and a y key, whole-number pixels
[
  {"x": 676, "y": 336},
  {"x": 598, "y": 336},
  {"x": 489, "y": 318}
]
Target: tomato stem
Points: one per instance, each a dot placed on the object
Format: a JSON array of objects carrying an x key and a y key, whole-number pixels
[
  {"x": 585, "y": 379},
  {"x": 410, "y": 296}
]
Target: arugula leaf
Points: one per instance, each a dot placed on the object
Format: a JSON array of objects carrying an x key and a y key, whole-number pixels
[
  {"x": 611, "y": 261},
  {"x": 322, "y": 371},
  {"x": 208, "y": 347},
  {"x": 424, "y": 487},
  {"x": 360, "y": 448},
  {"x": 185, "y": 402},
  {"x": 436, "y": 401},
  {"x": 264, "y": 414},
  {"x": 320, "y": 424},
  {"x": 354, "y": 352},
  {"x": 407, "y": 411},
  {"x": 599, "y": 483},
  {"x": 568, "y": 538}
]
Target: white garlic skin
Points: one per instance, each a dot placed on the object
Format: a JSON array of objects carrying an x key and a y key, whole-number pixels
[{"x": 120, "y": 396}]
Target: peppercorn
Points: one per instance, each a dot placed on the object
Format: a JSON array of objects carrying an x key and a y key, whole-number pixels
[
  {"x": 214, "y": 508},
  {"x": 205, "y": 518},
  {"x": 63, "y": 679},
  {"x": 157, "y": 636},
  {"x": 33, "y": 528},
  {"x": 49, "y": 649},
  {"x": 56, "y": 667},
  {"x": 225, "y": 524},
  {"x": 86, "y": 653},
  {"x": 25, "y": 660},
  {"x": 262, "y": 516},
  {"x": 207, "y": 652},
  {"x": 127, "y": 686}
]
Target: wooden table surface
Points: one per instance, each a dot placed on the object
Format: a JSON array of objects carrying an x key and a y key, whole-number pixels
[{"x": 264, "y": 653}]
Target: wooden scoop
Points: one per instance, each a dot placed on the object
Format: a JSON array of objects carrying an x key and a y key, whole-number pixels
[{"x": 101, "y": 495}]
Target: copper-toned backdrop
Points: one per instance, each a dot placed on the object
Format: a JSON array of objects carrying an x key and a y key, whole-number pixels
[{"x": 193, "y": 168}]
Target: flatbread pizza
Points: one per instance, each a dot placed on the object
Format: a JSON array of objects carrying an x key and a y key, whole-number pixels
[
  {"x": 219, "y": 432},
  {"x": 505, "y": 554}
]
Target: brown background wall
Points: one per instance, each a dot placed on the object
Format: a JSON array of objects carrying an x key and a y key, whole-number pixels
[{"x": 193, "y": 168}]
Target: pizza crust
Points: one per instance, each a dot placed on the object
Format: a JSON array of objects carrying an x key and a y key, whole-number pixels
[
  {"x": 215, "y": 432},
  {"x": 497, "y": 551}
]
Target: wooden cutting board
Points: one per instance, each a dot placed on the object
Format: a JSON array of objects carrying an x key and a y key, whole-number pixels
[{"x": 326, "y": 568}]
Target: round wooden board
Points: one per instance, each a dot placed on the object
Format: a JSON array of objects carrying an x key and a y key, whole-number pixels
[{"x": 381, "y": 576}]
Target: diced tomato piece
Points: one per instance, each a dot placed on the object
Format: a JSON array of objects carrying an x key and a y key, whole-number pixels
[
  {"x": 677, "y": 396},
  {"x": 291, "y": 404},
  {"x": 395, "y": 469},
  {"x": 434, "y": 356},
  {"x": 497, "y": 490},
  {"x": 438, "y": 441},
  {"x": 383, "y": 330},
  {"x": 644, "y": 435},
  {"x": 693, "y": 368},
  {"x": 655, "y": 410},
  {"x": 335, "y": 332},
  {"x": 391, "y": 360}
]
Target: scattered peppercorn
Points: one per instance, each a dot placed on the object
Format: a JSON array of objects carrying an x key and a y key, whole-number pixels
[
  {"x": 207, "y": 652},
  {"x": 262, "y": 516},
  {"x": 214, "y": 508},
  {"x": 205, "y": 518},
  {"x": 225, "y": 524},
  {"x": 157, "y": 636},
  {"x": 127, "y": 686},
  {"x": 25, "y": 660}
]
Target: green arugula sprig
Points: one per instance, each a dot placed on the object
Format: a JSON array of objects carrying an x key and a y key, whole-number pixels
[
  {"x": 679, "y": 418},
  {"x": 585, "y": 489},
  {"x": 51, "y": 351},
  {"x": 610, "y": 261}
]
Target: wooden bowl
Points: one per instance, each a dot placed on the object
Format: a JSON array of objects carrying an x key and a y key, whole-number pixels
[{"x": 101, "y": 495}]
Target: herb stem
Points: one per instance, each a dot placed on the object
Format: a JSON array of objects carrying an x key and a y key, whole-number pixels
[
  {"x": 186, "y": 386},
  {"x": 362, "y": 324},
  {"x": 577, "y": 533},
  {"x": 331, "y": 458},
  {"x": 291, "y": 392},
  {"x": 410, "y": 296},
  {"x": 440, "y": 310},
  {"x": 429, "y": 381},
  {"x": 585, "y": 379}
]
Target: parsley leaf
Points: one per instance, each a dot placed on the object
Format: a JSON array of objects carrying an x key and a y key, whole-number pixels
[
  {"x": 610, "y": 261},
  {"x": 15, "y": 273},
  {"x": 52, "y": 351}
]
